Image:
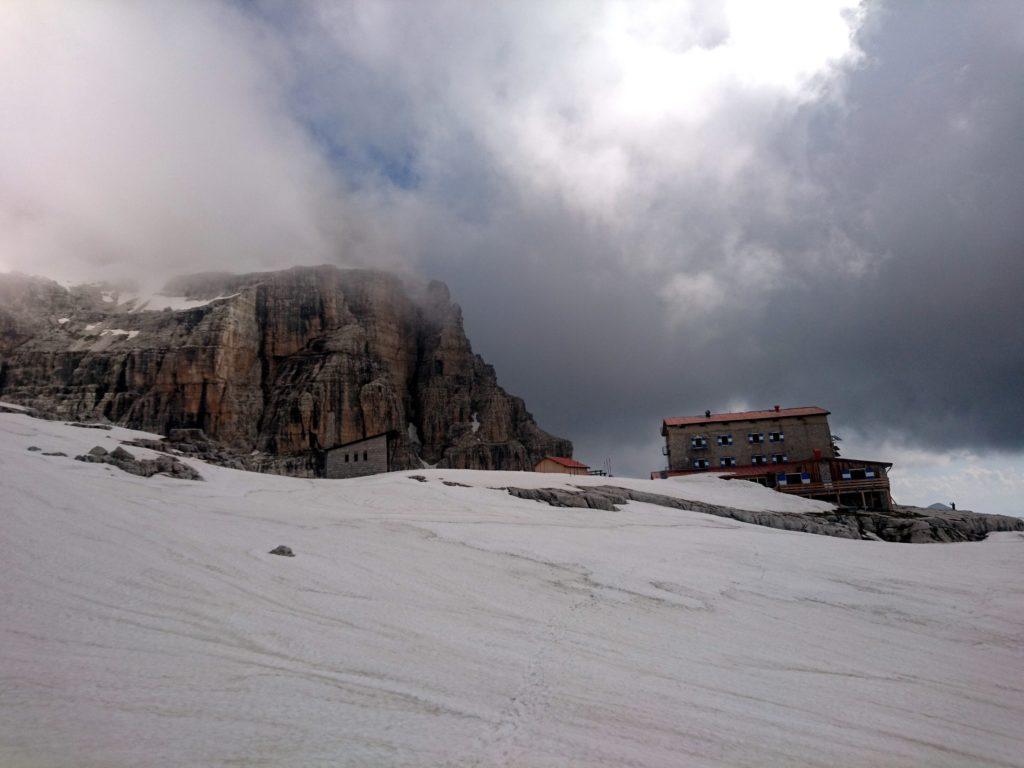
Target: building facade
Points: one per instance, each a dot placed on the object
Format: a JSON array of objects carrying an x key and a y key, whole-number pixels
[
  {"x": 369, "y": 456},
  {"x": 750, "y": 438},
  {"x": 791, "y": 450}
]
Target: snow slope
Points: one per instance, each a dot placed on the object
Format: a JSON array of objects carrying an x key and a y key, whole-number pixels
[{"x": 144, "y": 624}]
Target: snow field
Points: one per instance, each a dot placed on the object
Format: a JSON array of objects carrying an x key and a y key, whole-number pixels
[{"x": 144, "y": 624}]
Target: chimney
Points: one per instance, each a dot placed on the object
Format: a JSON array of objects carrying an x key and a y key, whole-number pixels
[{"x": 776, "y": 409}]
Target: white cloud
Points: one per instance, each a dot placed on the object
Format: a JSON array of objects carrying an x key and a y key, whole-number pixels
[{"x": 148, "y": 135}]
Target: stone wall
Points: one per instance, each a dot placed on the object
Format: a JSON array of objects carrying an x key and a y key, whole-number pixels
[{"x": 358, "y": 459}]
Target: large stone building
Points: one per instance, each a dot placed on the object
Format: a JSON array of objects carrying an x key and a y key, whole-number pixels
[
  {"x": 746, "y": 438},
  {"x": 789, "y": 449}
]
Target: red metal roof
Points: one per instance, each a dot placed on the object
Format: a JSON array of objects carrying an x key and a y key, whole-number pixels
[
  {"x": 567, "y": 462},
  {"x": 685, "y": 421}
]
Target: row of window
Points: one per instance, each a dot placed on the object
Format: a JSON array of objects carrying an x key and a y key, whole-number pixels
[
  {"x": 854, "y": 473},
  {"x": 730, "y": 461},
  {"x": 754, "y": 438},
  {"x": 355, "y": 456}
]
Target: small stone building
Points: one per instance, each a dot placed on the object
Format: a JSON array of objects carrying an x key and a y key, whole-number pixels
[
  {"x": 561, "y": 464},
  {"x": 369, "y": 456}
]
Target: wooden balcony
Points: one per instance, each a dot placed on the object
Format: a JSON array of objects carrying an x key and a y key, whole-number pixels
[{"x": 839, "y": 486}]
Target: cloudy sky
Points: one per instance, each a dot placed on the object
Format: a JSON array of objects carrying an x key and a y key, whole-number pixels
[{"x": 644, "y": 209}]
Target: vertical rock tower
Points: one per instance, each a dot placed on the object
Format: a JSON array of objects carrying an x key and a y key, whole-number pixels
[{"x": 289, "y": 363}]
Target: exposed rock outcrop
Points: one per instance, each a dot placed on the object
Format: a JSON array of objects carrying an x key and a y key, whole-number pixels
[
  {"x": 122, "y": 459},
  {"x": 288, "y": 364},
  {"x": 908, "y": 525}
]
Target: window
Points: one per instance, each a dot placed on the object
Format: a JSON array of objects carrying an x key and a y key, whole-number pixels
[
  {"x": 779, "y": 458},
  {"x": 364, "y": 456},
  {"x": 346, "y": 458},
  {"x": 355, "y": 456},
  {"x": 700, "y": 464},
  {"x": 725, "y": 439},
  {"x": 793, "y": 478},
  {"x": 858, "y": 473},
  {"x": 727, "y": 461},
  {"x": 776, "y": 437},
  {"x": 698, "y": 442},
  {"x": 758, "y": 458},
  {"x": 755, "y": 437}
]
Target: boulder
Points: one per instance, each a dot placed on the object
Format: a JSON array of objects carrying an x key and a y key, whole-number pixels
[
  {"x": 282, "y": 550},
  {"x": 122, "y": 459},
  {"x": 121, "y": 454}
]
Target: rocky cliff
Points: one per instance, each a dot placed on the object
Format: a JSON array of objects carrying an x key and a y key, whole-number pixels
[{"x": 288, "y": 363}]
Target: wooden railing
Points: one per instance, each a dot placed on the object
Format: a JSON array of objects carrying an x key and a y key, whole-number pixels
[{"x": 837, "y": 486}]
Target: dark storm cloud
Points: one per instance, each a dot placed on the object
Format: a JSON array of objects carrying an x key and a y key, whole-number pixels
[
  {"x": 886, "y": 285},
  {"x": 898, "y": 303},
  {"x": 922, "y": 166}
]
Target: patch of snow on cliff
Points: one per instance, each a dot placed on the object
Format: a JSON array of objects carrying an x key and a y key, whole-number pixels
[
  {"x": 120, "y": 332},
  {"x": 63, "y": 320},
  {"x": 159, "y": 301},
  {"x": 476, "y": 422}
]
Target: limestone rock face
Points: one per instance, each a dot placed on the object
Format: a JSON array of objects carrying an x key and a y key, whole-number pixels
[{"x": 287, "y": 363}]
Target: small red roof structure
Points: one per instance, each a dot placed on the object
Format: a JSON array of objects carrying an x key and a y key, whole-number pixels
[
  {"x": 718, "y": 418},
  {"x": 571, "y": 463}
]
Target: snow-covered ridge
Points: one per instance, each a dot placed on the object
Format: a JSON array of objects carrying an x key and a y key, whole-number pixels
[{"x": 425, "y": 624}]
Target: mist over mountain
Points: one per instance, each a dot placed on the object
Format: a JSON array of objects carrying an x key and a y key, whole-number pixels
[{"x": 289, "y": 364}]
